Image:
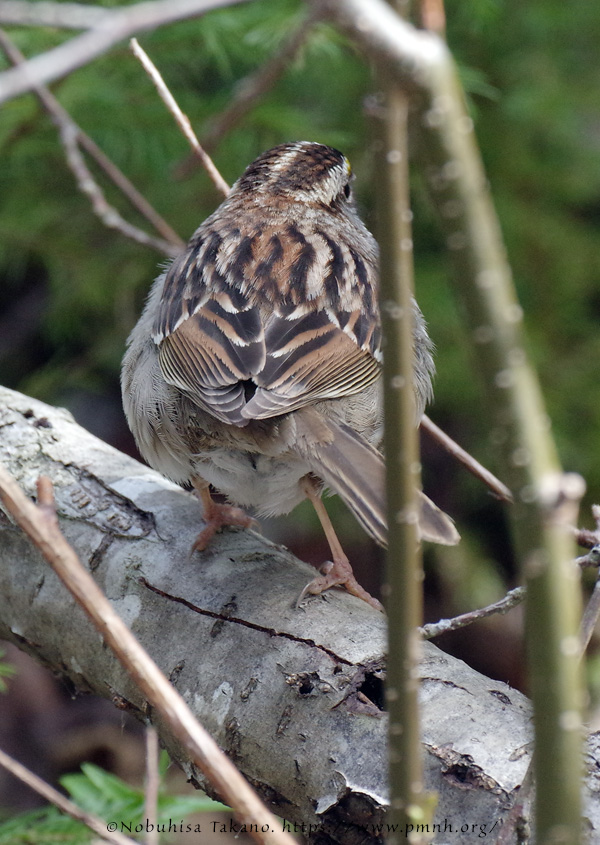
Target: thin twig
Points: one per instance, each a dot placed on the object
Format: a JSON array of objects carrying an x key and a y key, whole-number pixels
[
  {"x": 586, "y": 538},
  {"x": 116, "y": 26},
  {"x": 41, "y": 525},
  {"x": 181, "y": 119},
  {"x": 510, "y": 600},
  {"x": 586, "y": 629},
  {"x": 591, "y": 559},
  {"x": 44, "y": 789},
  {"x": 433, "y": 16},
  {"x": 61, "y": 118},
  {"x": 499, "y": 489},
  {"x": 252, "y": 88},
  {"x": 152, "y": 784},
  {"x": 56, "y": 15},
  {"x": 106, "y": 212}
]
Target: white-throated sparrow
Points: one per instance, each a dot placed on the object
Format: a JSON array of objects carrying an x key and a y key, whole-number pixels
[{"x": 255, "y": 366}]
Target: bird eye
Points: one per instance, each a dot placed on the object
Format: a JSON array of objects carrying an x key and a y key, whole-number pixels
[{"x": 347, "y": 191}]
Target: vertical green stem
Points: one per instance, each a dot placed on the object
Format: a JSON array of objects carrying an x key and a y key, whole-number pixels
[
  {"x": 404, "y": 576},
  {"x": 545, "y": 499},
  {"x": 422, "y": 66}
]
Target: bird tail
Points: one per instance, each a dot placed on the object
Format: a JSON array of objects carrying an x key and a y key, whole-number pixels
[{"x": 355, "y": 470}]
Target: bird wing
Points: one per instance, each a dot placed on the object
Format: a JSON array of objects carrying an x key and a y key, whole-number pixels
[
  {"x": 308, "y": 358},
  {"x": 243, "y": 345}
]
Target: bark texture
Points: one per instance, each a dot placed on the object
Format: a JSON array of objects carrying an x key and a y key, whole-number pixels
[{"x": 292, "y": 695}]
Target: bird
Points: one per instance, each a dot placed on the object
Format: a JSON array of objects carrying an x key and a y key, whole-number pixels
[{"x": 255, "y": 367}]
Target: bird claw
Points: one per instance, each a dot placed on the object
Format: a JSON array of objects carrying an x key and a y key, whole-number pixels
[
  {"x": 220, "y": 516},
  {"x": 337, "y": 574}
]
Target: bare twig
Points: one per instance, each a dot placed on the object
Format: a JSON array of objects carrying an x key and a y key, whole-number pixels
[
  {"x": 510, "y": 600},
  {"x": 545, "y": 497},
  {"x": 57, "y": 15},
  {"x": 61, "y": 118},
  {"x": 499, "y": 489},
  {"x": 515, "y": 597},
  {"x": 252, "y": 88},
  {"x": 106, "y": 212},
  {"x": 41, "y": 526},
  {"x": 116, "y": 26},
  {"x": 44, "y": 789},
  {"x": 586, "y": 629},
  {"x": 151, "y": 785},
  {"x": 589, "y": 539},
  {"x": 591, "y": 559},
  {"x": 585, "y": 538},
  {"x": 433, "y": 16},
  {"x": 181, "y": 119}
]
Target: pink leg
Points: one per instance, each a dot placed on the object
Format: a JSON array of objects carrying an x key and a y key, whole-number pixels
[
  {"x": 337, "y": 573},
  {"x": 216, "y": 515}
]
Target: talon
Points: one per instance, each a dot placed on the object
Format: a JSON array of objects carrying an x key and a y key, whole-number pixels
[
  {"x": 337, "y": 574},
  {"x": 220, "y": 516},
  {"x": 216, "y": 516}
]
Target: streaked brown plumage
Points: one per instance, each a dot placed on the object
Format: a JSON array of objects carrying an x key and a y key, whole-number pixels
[{"x": 255, "y": 366}]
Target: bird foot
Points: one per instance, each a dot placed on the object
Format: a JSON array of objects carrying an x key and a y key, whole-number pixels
[
  {"x": 338, "y": 574},
  {"x": 219, "y": 516}
]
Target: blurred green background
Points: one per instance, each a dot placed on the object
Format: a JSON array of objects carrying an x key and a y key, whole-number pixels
[{"x": 71, "y": 289}]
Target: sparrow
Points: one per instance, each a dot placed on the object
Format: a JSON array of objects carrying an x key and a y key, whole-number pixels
[{"x": 255, "y": 367}]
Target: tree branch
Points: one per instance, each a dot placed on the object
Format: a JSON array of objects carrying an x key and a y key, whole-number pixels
[
  {"x": 544, "y": 497},
  {"x": 107, "y": 213},
  {"x": 499, "y": 489},
  {"x": 62, "y": 119},
  {"x": 249, "y": 90},
  {"x": 291, "y": 695},
  {"x": 182, "y": 120},
  {"x": 41, "y": 526},
  {"x": 510, "y": 600},
  {"x": 110, "y": 29},
  {"x": 56, "y": 15}
]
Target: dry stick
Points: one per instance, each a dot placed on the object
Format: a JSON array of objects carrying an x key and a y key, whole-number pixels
[
  {"x": 515, "y": 597},
  {"x": 152, "y": 785},
  {"x": 472, "y": 464},
  {"x": 114, "y": 27},
  {"x": 586, "y": 629},
  {"x": 57, "y": 15},
  {"x": 182, "y": 120},
  {"x": 106, "y": 212},
  {"x": 433, "y": 16},
  {"x": 44, "y": 789},
  {"x": 41, "y": 525},
  {"x": 255, "y": 86},
  {"x": 61, "y": 118},
  {"x": 510, "y": 600},
  {"x": 587, "y": 625}
]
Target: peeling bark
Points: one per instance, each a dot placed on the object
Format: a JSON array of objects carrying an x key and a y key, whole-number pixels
[{"x": 292, "y": 695}]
